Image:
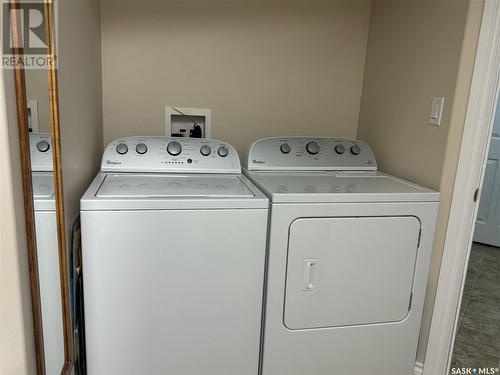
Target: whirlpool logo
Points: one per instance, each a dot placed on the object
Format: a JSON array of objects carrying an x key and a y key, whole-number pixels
[
  {"x": 258, "y": 161},
  {"x": 109, "y": 162}
]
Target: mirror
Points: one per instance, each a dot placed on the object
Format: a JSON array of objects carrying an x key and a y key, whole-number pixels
[
  {"x": 36, "y": 94},
  {"x": 42, "y": 175},
  {"x": 44, "y": 206}
]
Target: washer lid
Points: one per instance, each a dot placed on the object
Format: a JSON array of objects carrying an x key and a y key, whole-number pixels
[
  {"x": 172, "y": 186},
  {"x": 346, "y": 186}
]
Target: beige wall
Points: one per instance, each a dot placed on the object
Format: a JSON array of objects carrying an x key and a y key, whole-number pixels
[
  {"x": 80, "y": 106},
  {"x": 414, "y": 53},
  {"x": 17, "y": 347},
  {"x": 264, "y": 67},
  {"x": 37, "y": 89},
  {"x": 457, "y": 120}
]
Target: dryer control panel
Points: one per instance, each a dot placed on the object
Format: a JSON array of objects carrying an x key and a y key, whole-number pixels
[
  {"x": 41, "y": 152},
  {"x": 306, "y": 154},
  {"x": 172, "y": 155}
]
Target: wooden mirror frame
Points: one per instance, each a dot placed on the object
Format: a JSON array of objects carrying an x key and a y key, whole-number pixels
[{"x": 20, "y": 84}]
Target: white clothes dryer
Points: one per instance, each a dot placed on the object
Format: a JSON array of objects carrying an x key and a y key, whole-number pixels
[
  {"x": 173, "y": 252},
  {"x": 348, "y": 257}
]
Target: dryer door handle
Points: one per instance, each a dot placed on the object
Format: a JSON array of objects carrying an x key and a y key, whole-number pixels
[{"x": 310, "y": 274}]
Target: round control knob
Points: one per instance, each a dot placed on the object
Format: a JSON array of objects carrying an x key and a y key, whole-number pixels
[
  {"x": 141, "y": 148},
  {"x": 340, "y": 149},
  {"x": 312, "y": 148},
  {"x": 122, "y": 148},
  {"x": 174, "y": 148},
  {"x": 43, "y": 146},
  {"x": 355, "y": 150},
  {"x": 205, "y": 150},
  {"x": 285, "y": 148},
  {"x": 223, "y": 151}
]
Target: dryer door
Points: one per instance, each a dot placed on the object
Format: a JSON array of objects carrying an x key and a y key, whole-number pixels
[{"x": 344, "y": 271}]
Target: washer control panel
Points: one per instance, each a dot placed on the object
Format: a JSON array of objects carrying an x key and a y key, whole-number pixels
[
  {"x": 174, "y": 155},
  {"x": 41, "y": 152},
  {"x": 296, "y": 153}
]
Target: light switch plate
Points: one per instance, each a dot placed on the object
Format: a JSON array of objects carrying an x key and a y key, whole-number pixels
[{"x": 436, "y": 110}]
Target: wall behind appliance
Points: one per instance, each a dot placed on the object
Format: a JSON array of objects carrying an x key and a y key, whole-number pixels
[
  {"x": 17, "y": 346},
  {"x": 418, "y": 49},
  {"x": 80, "y": 105},
  {"x": 264, "y": 67},
  {"x": 37, "y": 88}
]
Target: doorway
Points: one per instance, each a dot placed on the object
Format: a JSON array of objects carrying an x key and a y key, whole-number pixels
[{"x": 477, "y": 342}]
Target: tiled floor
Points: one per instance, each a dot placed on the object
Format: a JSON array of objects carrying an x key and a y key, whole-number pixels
[{"x": 478, "y": 338}]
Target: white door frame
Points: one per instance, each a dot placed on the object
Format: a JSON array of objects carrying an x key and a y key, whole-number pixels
[{"x": 470, "y": 171}]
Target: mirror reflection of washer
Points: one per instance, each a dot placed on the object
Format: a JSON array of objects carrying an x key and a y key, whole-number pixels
[
  {"x": 349, "y": 250},
  {"x": 42, "y": 176},
  {"x": 173, "y": 246}
]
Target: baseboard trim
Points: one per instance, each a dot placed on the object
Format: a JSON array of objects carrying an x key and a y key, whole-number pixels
[{"x": 419, "y": 368}]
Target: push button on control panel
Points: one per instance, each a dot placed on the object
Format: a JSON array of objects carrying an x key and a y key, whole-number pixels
[
  {"x": 122, "y": 148},
  {"x": 43, "y": 146},
  {"x": 285, "y": 148},
  {"x": 223, "y": 151},
  {"x": 312, "y": 148},
  {"x": 205, "y": 150},
  {"x": 340, "y": 149},
  {"x": 174, "y": 148},
  {"x": 141, "y": 148},
  {"x": 355, "y": 150}
]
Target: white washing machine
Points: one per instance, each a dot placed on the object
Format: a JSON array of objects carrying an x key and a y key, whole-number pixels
[
  {"x": 47, "y": 251},
  {"x": 173, "y": 252},
  {"x": 348, "y": 258}
]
